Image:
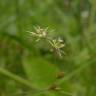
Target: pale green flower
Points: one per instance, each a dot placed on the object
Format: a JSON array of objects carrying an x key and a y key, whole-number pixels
[
  {"x": 40, "y": 32},
  {"x": 57, "y": 44}
]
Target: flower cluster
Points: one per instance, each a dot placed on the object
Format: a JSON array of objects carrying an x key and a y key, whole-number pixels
[
  {"x": 56, "y": 44},
  {"x": 40, "y": 32}
]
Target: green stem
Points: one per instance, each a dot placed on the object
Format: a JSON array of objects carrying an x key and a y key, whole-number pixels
[
  {"x": 16, "y": 78},
  {"x": 75, "y": 72},
  {"x": 92, "y": 15}
]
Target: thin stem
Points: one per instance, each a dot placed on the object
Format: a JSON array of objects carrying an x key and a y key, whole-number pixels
[
  {"x": 78, "y": 70},
  {"x": 16, "y": 78},
  {"x": 65, "y": 93},
  {"x": 92, "y": 15}
]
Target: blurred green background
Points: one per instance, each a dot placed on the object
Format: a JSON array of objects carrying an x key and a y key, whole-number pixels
[{"x": 27, "y": 68}]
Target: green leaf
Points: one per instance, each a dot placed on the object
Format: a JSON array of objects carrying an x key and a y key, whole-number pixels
[{"x": 40, "y": 72}]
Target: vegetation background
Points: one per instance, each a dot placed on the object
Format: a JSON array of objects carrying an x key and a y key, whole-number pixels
[{"x": 28, "y": 68}]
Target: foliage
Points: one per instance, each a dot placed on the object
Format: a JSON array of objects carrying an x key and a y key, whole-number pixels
[{"x": 28, "y": 67}]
